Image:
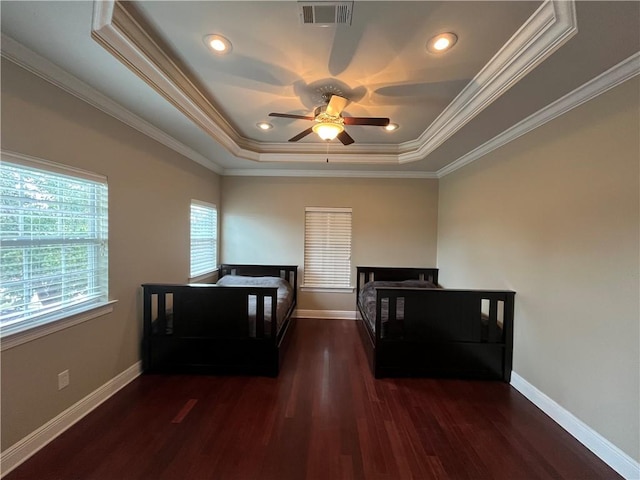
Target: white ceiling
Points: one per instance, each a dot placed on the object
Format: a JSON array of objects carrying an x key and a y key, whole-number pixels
[{"x": 148, "y": 65}]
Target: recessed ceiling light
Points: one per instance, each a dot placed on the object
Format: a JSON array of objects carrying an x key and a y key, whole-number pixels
[
  {"x": 264, "y": 125},
  {"x": 442, "y": 42},
  {"x": 217, "y": 44},
  {"x": 391, "y": 127}
]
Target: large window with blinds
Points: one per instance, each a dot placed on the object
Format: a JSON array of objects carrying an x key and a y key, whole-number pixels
[
  {"x": 327, "y": 248},
  {"x": 204, "y": 238},
  {"x": 53, "y": 243}
]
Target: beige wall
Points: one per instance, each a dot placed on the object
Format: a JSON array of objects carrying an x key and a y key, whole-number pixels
[
  {"x": 554, "y": 216},
  {"x": 150, "y": 189},
  {"x": 394, "y": 223}
]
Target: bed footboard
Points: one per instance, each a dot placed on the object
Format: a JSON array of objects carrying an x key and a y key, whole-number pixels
[
  {"x": 441, "y": 332},
  {"x": 434, "y": 331},
  {"x": 210, "y": 329}
]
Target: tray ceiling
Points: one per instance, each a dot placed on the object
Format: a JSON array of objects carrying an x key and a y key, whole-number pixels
[{"x": 147, "y": 61}]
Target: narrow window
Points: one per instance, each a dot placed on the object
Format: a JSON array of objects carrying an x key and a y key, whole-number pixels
[
  {"x": 54, "y": 237},
  {"x": 204, "y": 238},
  {"x": 327, "y": 247}
]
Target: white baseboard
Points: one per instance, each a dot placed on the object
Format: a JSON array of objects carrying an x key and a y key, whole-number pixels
[
  {"x": 32, "y": 443},
  {"x": 600, "y": 446},
  {"x": 326, "y": 314},
  {"x": 603, "y": 448}
]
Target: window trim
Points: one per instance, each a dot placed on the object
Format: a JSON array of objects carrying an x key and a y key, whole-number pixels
[
  {"x": 304, "y": 288},
  {"x": 203, "y": 275},
  {"x": 69, "y": 316},
  {"x": 53, "y": 167},
  {"x": 331, "y": 288},
  {"x": 33, "y": 332}
]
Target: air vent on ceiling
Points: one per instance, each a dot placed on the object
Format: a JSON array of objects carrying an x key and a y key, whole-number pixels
[{"x": 325, "y": 13}]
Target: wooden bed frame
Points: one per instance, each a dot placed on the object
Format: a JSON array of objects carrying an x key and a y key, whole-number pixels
[
  {"x": 444, "y": 333},
  {"x": 210, "y": 325}
]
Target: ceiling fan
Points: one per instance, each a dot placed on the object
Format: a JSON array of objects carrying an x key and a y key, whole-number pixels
[{"x": 329, "y": 123}]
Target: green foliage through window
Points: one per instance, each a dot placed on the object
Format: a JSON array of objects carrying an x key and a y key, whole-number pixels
[{"x": 53, "y": 244}]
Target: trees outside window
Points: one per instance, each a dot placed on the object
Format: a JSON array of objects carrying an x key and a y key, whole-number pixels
[{"x": 53, "y": 243}]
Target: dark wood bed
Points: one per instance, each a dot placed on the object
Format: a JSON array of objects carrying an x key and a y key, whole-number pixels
[
  {"x": 410, "y": 326},
  {"x": 220, "y": 329}
]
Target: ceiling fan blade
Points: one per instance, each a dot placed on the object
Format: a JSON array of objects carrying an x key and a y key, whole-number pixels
[
  {"x": 375, "y": 121},
  {"x": 301, "y": 135},
  {"x": 336, "y": 105},
  {"x": 345, "y": 138},
  {"x": 287, "y": 115}
]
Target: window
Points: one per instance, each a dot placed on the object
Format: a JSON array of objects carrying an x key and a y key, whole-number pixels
[
  {"x": 204, "y": 238},
  {"x": 327, "y": 248},
  {"x": 53, "y": 238}
]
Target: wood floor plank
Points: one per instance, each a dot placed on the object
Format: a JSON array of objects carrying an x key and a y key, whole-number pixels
[{"x": 324, "y": 417}]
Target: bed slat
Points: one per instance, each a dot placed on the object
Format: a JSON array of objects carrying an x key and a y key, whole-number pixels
[{"x": 493, "y": 321}]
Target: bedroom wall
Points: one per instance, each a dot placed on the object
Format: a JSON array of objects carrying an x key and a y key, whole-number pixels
[
  {"x": 150, "y": 189},
  {"x": 394, "y": 223},
  {"x": 554, "y": 215}
]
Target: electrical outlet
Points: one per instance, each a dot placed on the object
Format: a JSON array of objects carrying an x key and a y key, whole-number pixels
[{"x": 63, "y": 379}]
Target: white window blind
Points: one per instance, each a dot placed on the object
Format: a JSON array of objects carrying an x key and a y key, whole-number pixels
[
  {"x": 53, "y": 243},
  {"x": 327, "y": 247},
  {"x": 204, "y": 238}
]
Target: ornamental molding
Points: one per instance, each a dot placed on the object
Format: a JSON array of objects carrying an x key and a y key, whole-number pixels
[
  {"x": 118, "y": 28},
  {"x": 51, "y": 73},
  {"x": 604, "y": 82}
]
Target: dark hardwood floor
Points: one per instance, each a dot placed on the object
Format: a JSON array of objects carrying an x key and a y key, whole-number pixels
[{"x": 324, "y": 417}]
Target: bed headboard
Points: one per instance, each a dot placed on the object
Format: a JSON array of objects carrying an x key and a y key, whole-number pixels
[
  {"x": 288, "y": 272},
  {"x": 394, "y": 274}
]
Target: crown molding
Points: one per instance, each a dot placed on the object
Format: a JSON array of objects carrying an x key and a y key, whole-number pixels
[
  {"x": 607, "y": 80},
  {"x": 330, "y": 157},
  {"x": 117, "y": 30},
  {"x": 542, "y": 34},
  {"x": 616, "y": 75},
  {"x": 25, "y": 58},
  {"x": 46, "y": 70},
  {"x": 256, "y": 172},
  {"x": 55, "y": 167},
  {"x": 32, "y": 62},
  {"x": 272, "y": 149}
]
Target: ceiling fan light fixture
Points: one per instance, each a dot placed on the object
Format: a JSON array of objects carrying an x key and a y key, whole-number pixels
[
  {"x": 264, "y": 125},
  {"x": 442, "y": 42},
  {"x": 217, "y": 44},
  {"x": 327, "y": 130},
  {"x": 391, "y": 127}
]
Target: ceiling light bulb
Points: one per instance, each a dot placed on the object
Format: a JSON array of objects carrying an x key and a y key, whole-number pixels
[
  {"x": 328, "y": 131},
  {"x": 264, "y": 126},
  {"x": 391, "y": 127},
  {"x": 442, "y": 42},
  {"x": 217, "y": 44}
]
